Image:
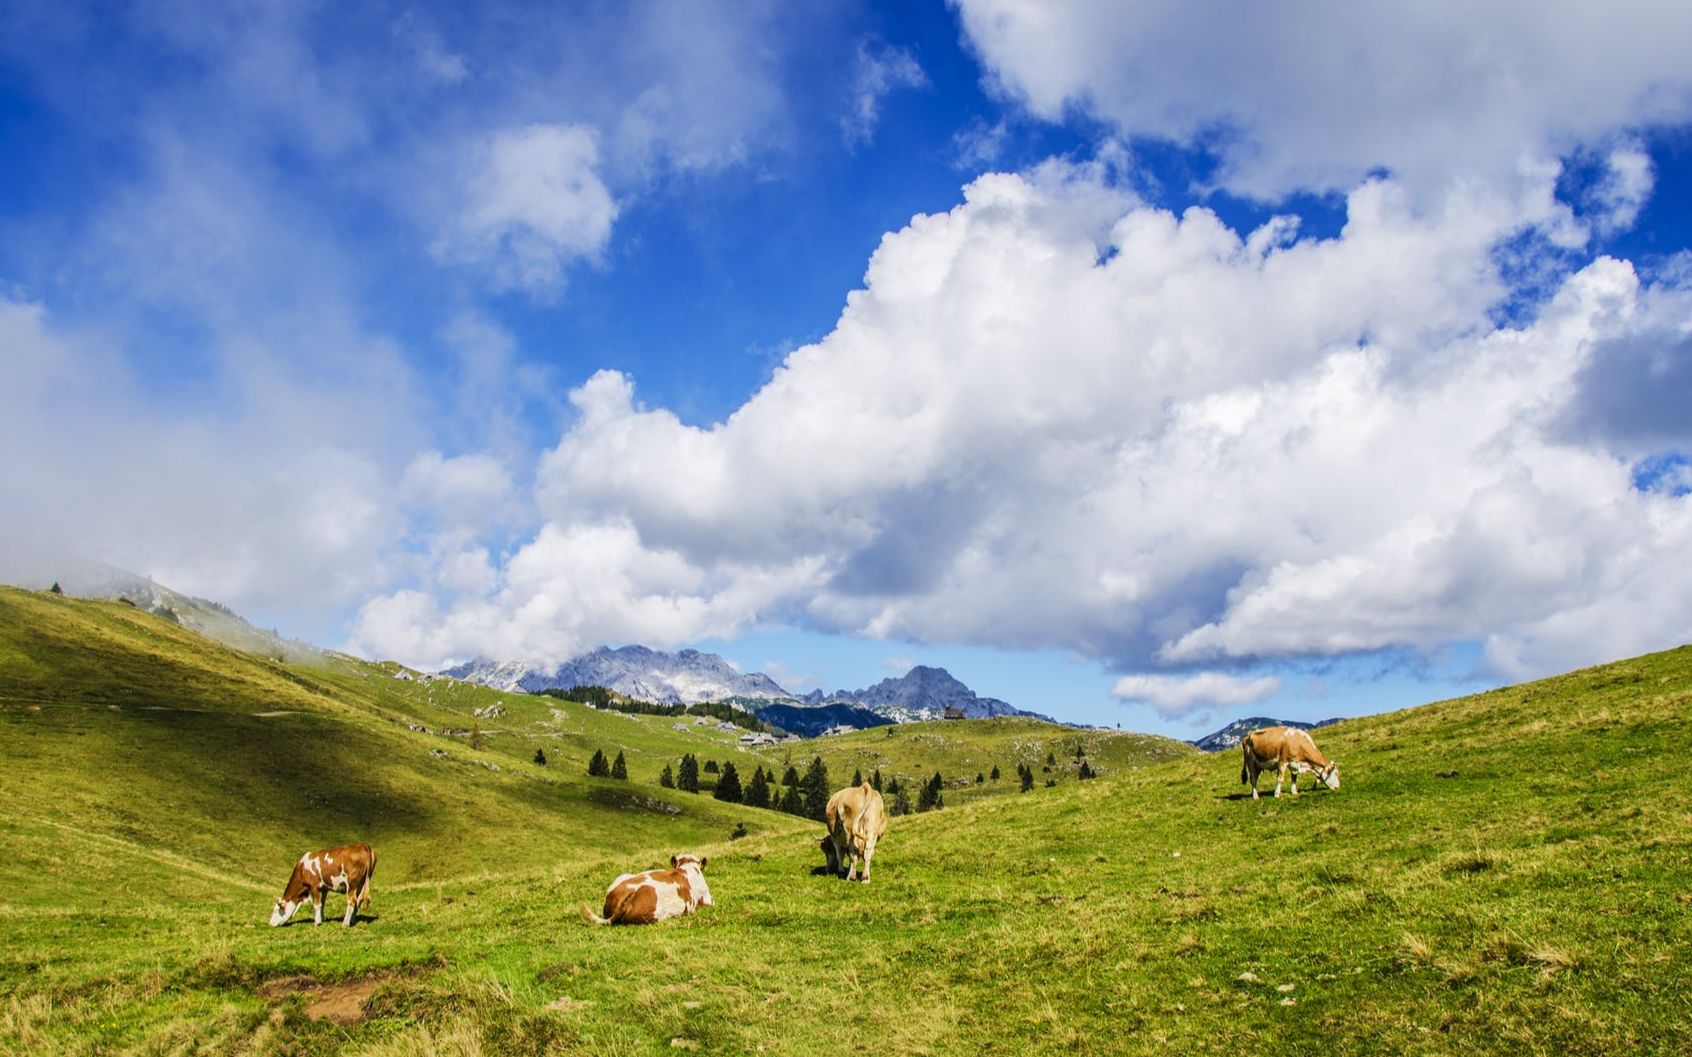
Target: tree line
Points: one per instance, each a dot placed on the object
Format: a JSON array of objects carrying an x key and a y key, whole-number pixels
[{"x": 609, "y": 700}]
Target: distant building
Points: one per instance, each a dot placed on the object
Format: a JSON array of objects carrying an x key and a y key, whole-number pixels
[
  {"x": 757, "y": 738},
  {"x": 841, "y": 728},
  {"x": 954, "y": 712},
  {"x": 683, "y": 727}
]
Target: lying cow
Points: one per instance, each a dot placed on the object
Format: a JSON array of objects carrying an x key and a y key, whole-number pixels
[
  {"x": 856, "y": 819},
  {"x": 345, "y": 869},
  {"x": 1285, "y": 749},
  {"x": 644, "y": 898}
]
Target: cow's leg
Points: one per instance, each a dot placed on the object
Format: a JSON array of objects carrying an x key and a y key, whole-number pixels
[
  {"x": 1280, "y": 777},
  {"x": 317, "y": 897},
  {"x": 1295, "y": 781},
  {"x": 1255, "y": 771},
  {"x": 869, "y": 852}
]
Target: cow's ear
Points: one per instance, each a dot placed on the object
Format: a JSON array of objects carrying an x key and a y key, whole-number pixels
[
  {"x": 674, "y": 861},
  {"x": 702, "y": 862}
]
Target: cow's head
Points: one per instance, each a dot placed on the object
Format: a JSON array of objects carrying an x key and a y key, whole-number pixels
[
  {"x": 680, "y": 861},
  {"x": 283, "y": 909},
  {"x": 1329, "y": 775}
]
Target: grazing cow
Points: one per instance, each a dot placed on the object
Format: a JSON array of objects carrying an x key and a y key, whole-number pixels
[
  {"x": 644, "y": 898},
  {"x": 345, "y": 869},
  {"x": 856, "y": 819},
  {"x": 1285, "y": 749}
]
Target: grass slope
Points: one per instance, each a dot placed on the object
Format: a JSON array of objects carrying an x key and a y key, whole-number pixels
[
  {"x": 122, "y": 730},
  {"x": 962, "y": 749},
  {"x": 1506, "y": 873}
]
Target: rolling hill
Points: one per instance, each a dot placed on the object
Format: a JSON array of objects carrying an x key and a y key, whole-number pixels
[{"x": 1506, "y": 873}]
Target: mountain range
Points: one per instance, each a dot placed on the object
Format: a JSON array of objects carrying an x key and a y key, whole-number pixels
[
  {"x": 689, "y": 677},
  {"x": 1230, "y": 735}
]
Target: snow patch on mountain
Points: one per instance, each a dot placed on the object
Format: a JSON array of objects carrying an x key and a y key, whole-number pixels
[{"x": 687, "y": 677}]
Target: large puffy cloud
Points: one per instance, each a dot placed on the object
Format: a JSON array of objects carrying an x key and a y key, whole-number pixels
[
  {"x": 1059, "y": 417},
  {"x": 1319, "y": 93}
]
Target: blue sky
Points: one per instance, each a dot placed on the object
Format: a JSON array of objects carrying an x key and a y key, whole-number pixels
[{"x": 1152, "y": 365}]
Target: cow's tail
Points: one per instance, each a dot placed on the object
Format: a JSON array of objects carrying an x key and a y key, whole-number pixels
[
  {"x": 364, "y": 889},
  {"x": 1244, "y": 748},
  {"x": 590, "y": 917}
]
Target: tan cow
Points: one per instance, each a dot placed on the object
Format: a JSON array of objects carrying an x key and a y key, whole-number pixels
[
  {"x": 345, "y": 869},
  {"x": 1285, "y": 749},
  {"x": 856, "y": 818},
  {"x": 644, "y": 898}
]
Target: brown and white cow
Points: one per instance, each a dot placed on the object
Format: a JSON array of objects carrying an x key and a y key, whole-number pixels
[
  {"x": 1285, "y": 749},
  {"x": 644, "y": 898},
  {"x": 345, "y": 869},
  {"x": 856, "y": 818}
]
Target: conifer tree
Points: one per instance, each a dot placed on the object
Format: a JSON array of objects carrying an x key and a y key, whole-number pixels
[
  {"x": 901, "y": 803},
  {"x": 711, "y": 767},
  {"x": 995, "y": 774},
  {"x": 815, "y": 789},
  {"x": 619, "y": 769},
  {"x": 687, "y": 776},
  {"x": 667, "y": 778},
  {"x": 875, "y": 779},
  {"x": 1027, "y": 774},
  {"x": 728, "y": 785},
  {"x": 857, "y": 778},
  {"x": 597, "y": 767},
  {"x": 1051, "y": 761},
  {"x": 792, "y": 802},
  {"x": 758, "y": 789},
  {"x": 791, "y": 777},
  {"x": 540, "y": 757},
  {"x": 980, "y": 778}
]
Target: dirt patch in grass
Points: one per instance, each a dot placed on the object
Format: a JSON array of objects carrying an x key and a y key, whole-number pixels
[{"x": 341, "y": 1002}]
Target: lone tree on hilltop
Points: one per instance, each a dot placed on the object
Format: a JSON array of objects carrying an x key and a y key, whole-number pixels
[
  {"x": 619, "y": 769},
  {"x": 597, "y": 767},
  {"x": 815, "y": 789},
  {"x": 55, "y": 589},
  {"x": 728, "y": 786},
  {"x": 540, "y": 757},
  {"x": 687, "y": 776}
]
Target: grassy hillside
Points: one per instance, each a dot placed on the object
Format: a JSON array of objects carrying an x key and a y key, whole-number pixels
[
  {"x": 126, "y": 733},
  {"x": 1508, "y": 873},
  {"x": 962, "y": 749}
]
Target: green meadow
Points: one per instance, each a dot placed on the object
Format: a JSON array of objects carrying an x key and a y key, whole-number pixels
[{"x": 1509, "y": 873}]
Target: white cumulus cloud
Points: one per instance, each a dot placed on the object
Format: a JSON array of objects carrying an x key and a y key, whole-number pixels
[
  {"x": 1177, "y": 695},
  {"x": 1316, "y": 94},
  {"x": 1057, "y": 417}
]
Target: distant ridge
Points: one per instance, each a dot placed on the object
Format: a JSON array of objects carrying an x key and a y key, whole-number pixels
[
  {"x": 1230, "y": 735},
  {"x": 687, "y": 677},
  {"x": 922, "y": 693},
  {"x": 85, "y": 579}
]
